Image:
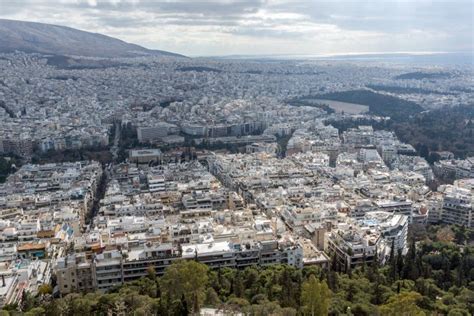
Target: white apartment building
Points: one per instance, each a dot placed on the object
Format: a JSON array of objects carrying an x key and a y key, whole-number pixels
[
  {"x": 457, "y": 207},
  {"x": 393, "y": 227},
  {"x": 114, "y": 267},
  {"x": 353, "y": 246},
  {"x": 396, "y": 206}
]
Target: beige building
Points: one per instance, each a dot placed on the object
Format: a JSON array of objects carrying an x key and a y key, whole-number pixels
[
  {"x": 75, "y": 274},
  {"x": 145, "y": 155}
]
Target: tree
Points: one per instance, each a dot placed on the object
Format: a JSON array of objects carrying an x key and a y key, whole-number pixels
[
  {"x": 188, "y": 278},
  {"x": 151, "y": 272},
  {"x": 315, "y": 297},
  {"x": 373, "y": 271},
  {"x": 28, "y": 301},
  {"x": 377, "y": 299},
  {"x": 37, "y": 311},
  {"x": 393, "y": 262},
  {"x": 80, "y": 306},
  {"x": 287, "y": 288},
  {"x": 445, "y": 234},
  {"x": 212, "y": 299},
  {"x": 364, "y": 262},
  {"x": 400, "y": 262},
  {"x": 460, "y": 234},
  {"x": 119, "y": 308},
  {"x": 424, "y": 151},
  {"x": 45, "y": 289},
  {"x": 183, "y": 307},
  {"x": 403, "y": 304},
  {"x": 238, "y": 285},
  {"x": 410, "y": 269}
]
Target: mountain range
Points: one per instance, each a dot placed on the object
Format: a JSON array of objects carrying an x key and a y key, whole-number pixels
[{"x": 32, "y": 37}]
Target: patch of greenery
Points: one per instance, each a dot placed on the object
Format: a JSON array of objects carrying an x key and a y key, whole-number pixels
[
  {"x": 446, "y": 129},
  {"x": 419, "y": 75},
  {"x": 7, "y": 166},
  {"x": 100, "y": 154},
  {"x": 379, "y": 104},
  {"x": 199, "y": 69},
  {"x": 406, "y": 90}
]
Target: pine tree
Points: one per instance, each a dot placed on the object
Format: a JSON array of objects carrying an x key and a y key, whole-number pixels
[
  {"x": 315, "y": 297},
  {"x": 364, "y": 262},
  {"x": 373, "y": 271},
  {"x": 392, "y": 252},
  {"x": 447, "y": 278},
  {"x": 332, "y": 280},
  {"x": 410, "y": 270},
  {"x": 332, "y": 276},
  {"x": 287, "y": 289},
  {"x": 376, "y": 290},
  {"x": 238, "y": 285},
  {"x": 419, "y": 267},
  {"x": 393, "y": 262},
  {"x": 462, "y": 271},
  {"x": 350, "y": 292},
  {"x": 399, "y": 262}
]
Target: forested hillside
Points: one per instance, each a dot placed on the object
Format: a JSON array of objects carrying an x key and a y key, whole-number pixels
[{"x": 450, "y": 129}]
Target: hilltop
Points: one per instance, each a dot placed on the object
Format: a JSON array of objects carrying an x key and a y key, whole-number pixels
[{"x": 32, "y": 37}]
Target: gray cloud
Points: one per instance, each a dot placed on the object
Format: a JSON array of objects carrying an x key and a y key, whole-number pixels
[
  {"x": 204, "y": 8},
  {"x": 261, "y": 26}
]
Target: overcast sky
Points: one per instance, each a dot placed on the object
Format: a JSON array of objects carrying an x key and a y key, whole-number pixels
[{"x": 228, "y": 27}]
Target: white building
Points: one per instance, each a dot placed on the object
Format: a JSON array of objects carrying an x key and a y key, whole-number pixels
[{"x": 457, "y": 207}]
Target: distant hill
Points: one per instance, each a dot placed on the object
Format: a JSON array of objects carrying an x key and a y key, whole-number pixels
[{"x": 43, "y": 38}]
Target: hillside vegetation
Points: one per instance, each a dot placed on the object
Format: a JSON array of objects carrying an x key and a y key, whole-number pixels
[
  {"x": 379, "y": 104},
  {"x": 435, "y": 278},
  {"x": 446, "y": 129}
]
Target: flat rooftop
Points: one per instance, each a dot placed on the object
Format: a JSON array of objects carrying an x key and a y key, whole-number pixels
[
  {"x": 189, "y": 251},
  {"x": 145, "y": 152}
]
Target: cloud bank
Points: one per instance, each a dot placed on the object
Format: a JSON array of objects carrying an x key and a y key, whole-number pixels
[{"x": 229, "y": 27}]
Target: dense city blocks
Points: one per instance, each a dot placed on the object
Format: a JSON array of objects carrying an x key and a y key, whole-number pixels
[{"x": 136, "y": 181}]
